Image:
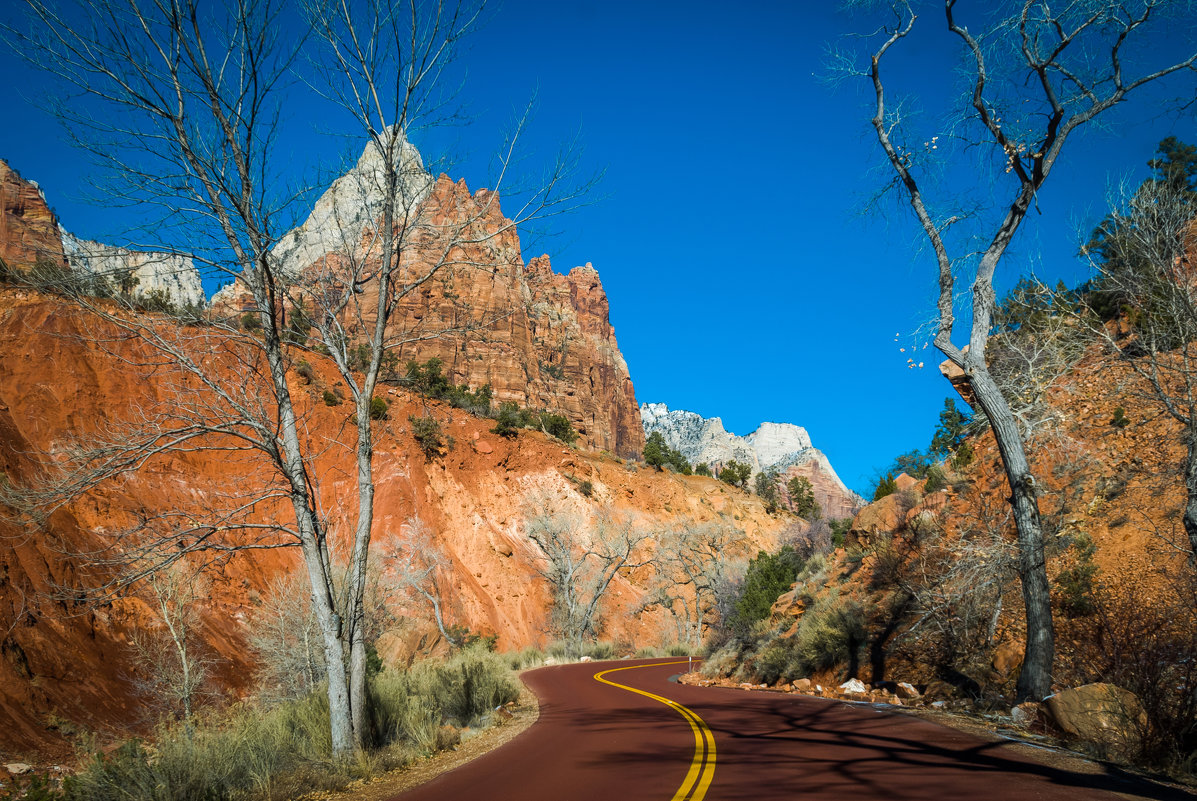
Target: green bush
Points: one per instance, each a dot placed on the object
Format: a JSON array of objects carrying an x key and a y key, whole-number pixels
[
  {"x": 1120, "y": 420},
  {"x": 331, "y": 399},
  {"x": 557, "y": 425},
  {"x": 767, "y": 577},
  {"x": 586, "y": 488},
  {"x": 305, "y": 371},
  {"x": 378, "y": 408},
  {"x": 1077, "y": 582},
  {"x": 936, "y": 480},
  {"x": 702, "y": 469},
  {"x": 507, "y": 422},
  {"x": 250, "y": 321},
  {"x": 428, "y": 434}
]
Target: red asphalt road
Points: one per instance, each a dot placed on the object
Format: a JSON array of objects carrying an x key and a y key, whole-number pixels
[{"x": 601, "y": 743}]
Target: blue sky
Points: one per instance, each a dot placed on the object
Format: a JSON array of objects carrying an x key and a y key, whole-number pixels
[{"x": 744, "y": 280}]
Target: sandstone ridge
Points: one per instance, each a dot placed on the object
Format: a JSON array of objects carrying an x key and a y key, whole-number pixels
[{"x": 539, "y": 338}]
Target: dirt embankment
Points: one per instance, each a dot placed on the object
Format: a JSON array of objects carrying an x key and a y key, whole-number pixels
[{"x": 66, "y": 662}]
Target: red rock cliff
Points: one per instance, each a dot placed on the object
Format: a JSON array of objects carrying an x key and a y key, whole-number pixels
[
  {"x": 539, "y": 338},
  {"x": 28, "y": 229}
]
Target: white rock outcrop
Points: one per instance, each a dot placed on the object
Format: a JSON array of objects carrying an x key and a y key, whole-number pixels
[
  {"x": 174, "y": 274},
  {"x": 352, "y": 205},
  {"x": 783, "y": 447}
]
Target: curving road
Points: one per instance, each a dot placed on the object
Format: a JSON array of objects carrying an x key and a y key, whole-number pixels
[{"x": 622, "y": 731}]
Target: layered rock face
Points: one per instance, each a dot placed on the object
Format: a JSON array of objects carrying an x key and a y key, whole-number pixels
[
  {"x": 28, "y": 229},
  {"x": 783, "y": 447},
  {"x": 539, "y": 338},
  {"x": 171, "y": 274},
  {"x": 29, "y": 233},
  {"x": 60, "y": 656}
]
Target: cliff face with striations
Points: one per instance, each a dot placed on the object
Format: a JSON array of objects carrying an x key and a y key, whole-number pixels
[
  {"x": 539, "y": 338},
  {"x": 28, "y": 229}
]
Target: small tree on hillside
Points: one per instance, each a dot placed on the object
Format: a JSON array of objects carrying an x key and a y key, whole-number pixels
[
  {"x": 802, "y": 498},
  {"x": 767, "y": 486},
  {"x": 735, "y": 473}
]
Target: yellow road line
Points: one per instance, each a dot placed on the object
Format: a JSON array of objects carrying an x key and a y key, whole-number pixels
[{"x": 702, "y": 767}]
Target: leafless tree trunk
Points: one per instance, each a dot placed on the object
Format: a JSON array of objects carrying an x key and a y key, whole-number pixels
[
  {"x": 1036, "y": 77},
  {"x": 579, "y": 565},
  {"x": 175, "y": 672}
]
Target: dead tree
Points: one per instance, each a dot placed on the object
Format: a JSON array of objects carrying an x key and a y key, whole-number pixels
[
  {"x": 1034, "y": 78},
  {"x": 181, "y": 104}
]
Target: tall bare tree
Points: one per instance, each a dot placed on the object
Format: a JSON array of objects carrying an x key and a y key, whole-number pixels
[
  {"x": 1036, "y": 74},
  {"x": 181, "y": 103},
  {"x": 579, "y": 565}
]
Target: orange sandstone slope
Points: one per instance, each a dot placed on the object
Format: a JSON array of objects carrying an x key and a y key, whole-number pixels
[{"x": 67, "y": 665}]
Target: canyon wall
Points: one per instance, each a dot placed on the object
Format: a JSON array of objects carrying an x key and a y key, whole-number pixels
[{"x": 66, "y": 663}]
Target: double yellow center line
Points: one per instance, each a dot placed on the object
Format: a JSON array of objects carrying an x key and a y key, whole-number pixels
[{"x": 702, "y": 767}]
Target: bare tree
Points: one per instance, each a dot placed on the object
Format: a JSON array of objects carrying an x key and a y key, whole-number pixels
[
  {"x": 579, "y": 565},
  {"x": 416, "y": 565},
  {"x": 181, "y": 104},
  {"x": 693, "y": 563},
  {"x": 286, "y": 641},
  {"x": 174, "y": 671},
  {"x": 1035, "y": 77}
]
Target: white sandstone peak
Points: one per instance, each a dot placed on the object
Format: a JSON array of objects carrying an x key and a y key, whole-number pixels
[{"x": 353, "y": 204}]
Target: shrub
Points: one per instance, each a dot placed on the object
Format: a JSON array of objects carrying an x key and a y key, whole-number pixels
[
  {"x": 557, "y": 425},
  {"x": 331, "y": 399},
  {"x": 378, "y": 408},
  {"x": 586, "y": 488},
  {"x": 963, "y": 456},
  {"x": 250, "y": 321},
  {"x": 1120, "y": 420},
  {"x": 936, "y": 480},
  {"x": 767, "y": 577},
  {"x": 702, "y": 469},
  {"x": 1077, "y": 581},
  {"x": 304, "y": 370},
  {"x": 428, "y": 434},
  {"x": 507, "y": 421}
]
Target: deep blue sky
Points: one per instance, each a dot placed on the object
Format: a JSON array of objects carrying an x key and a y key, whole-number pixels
[{"x": 744, "y": 280}]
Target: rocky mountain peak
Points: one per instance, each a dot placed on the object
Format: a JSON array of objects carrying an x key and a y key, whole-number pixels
[
  {"x": 30, "y": 232},
  {"x": 783, "y": 447},
  {"x": 353, "y": 203}
]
